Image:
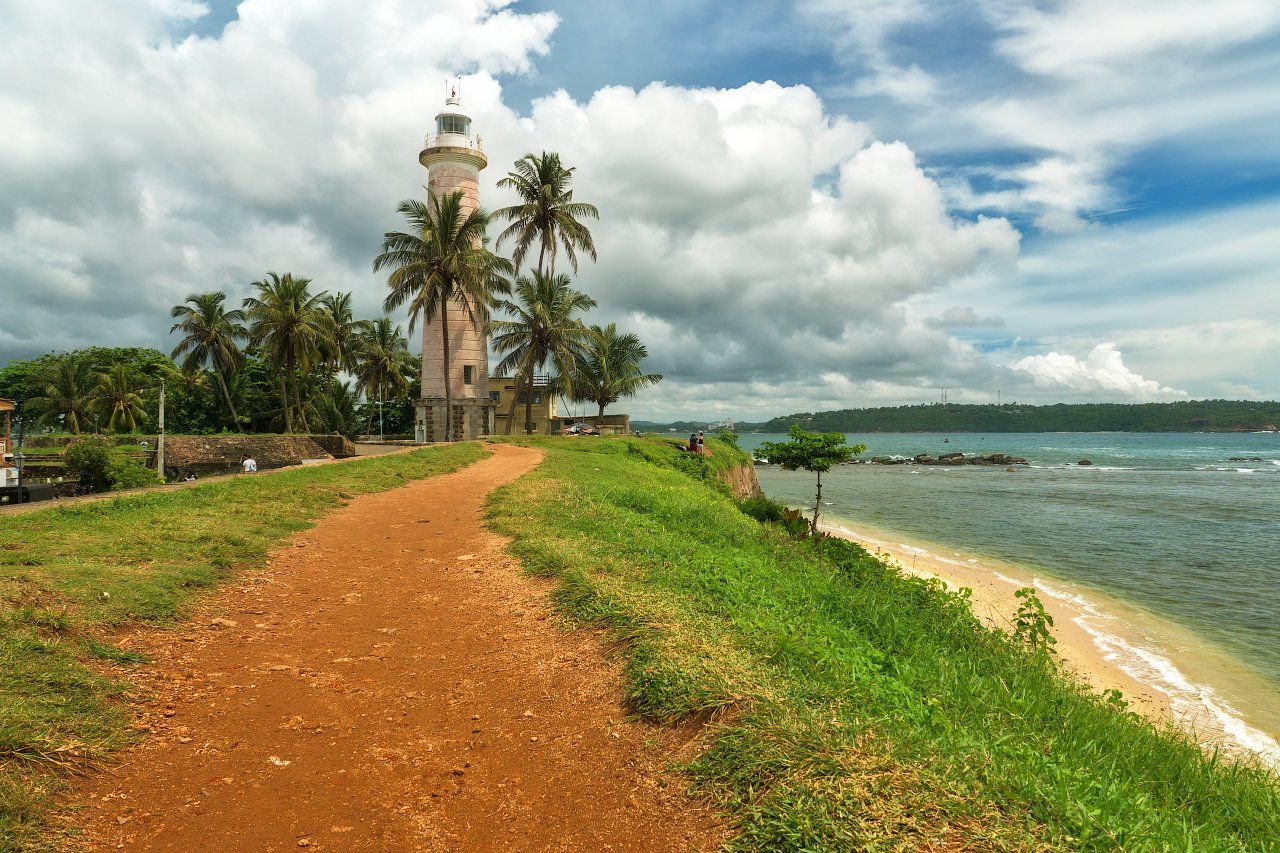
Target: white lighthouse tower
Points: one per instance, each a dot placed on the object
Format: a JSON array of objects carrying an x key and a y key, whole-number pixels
[{"x": 453, "y": 159}]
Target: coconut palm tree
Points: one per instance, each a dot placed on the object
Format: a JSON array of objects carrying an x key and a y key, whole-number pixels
[
  {"x": 610, "y": 368},
  {"x": 545, "y": 328},
  {"x": 547, "y": 214},
  {"x": 69, "y": 388},
  {"x": 210, "y": 340},
  {"x": 116, "y": 396},
  {"x": 289, "y": 326},
  {"x": 440, "y": 265},
  {"x": 383, "y": 365},
  {"x": 343, "y": 330}
]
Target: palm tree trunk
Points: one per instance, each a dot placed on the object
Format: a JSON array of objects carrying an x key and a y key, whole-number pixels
[
  {"x": 226, "y": 395},
  {"x": 528, "y": 405},
  {"x": 448, "y": 391},
  {"x": 288, "y": 407},
  {"x": 297, "y": 398},
  {"x": 511, "y": 411}
]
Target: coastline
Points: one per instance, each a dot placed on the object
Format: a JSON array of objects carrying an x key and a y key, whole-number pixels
[{"x": 1103, "y": 642}]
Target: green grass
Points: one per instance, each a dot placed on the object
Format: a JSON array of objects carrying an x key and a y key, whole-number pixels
[
  {"x": 70, "y": 576},
  {"x": 855, "y": 708}
]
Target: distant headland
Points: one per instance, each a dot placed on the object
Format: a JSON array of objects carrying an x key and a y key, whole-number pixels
[{"x": 1181, "y": 416}]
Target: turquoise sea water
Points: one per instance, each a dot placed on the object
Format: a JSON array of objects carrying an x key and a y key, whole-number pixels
[{"x": 1163, "y": 521}]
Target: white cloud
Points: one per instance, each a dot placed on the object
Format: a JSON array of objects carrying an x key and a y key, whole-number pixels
[
  {"x": 756, "y": 240},
  {"x": 1077, "y": 39},
  {"x": 861, "y": 29},
  {"x": 1102, "y": 371},
  {"x": 1103, "y": 79},
  {"x": 957, "y": 317}
]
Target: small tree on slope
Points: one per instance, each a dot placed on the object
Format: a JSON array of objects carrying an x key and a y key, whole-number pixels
[{"x": 810, "y": 451}]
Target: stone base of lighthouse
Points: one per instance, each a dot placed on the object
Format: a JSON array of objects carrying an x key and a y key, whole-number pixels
[{"x": 472, "y": 418}]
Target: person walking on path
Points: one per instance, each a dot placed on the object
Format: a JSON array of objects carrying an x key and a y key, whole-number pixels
[
  {"x": 693, "y": 442},
  {"x": 702, "y": 444}
]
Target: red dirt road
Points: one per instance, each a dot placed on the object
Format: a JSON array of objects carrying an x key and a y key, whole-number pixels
[{"x": 391, "y": 682}]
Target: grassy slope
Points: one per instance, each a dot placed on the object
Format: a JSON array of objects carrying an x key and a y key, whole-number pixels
[
  {"x": 150, "y": 553},
  {"x": 859, "y": 709}
]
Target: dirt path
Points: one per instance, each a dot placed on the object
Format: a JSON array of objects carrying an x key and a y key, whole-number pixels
[{"x": 390, "y": 682}]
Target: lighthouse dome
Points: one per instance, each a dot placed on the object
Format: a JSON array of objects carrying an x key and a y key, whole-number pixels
[{"x": 452, "y": 120}]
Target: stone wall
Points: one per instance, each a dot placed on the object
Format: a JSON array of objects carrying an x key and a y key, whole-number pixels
[{"x": 217, "y": 454}]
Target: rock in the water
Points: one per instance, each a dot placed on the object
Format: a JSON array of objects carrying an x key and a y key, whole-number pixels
[{"x": 1084, "y": 462}]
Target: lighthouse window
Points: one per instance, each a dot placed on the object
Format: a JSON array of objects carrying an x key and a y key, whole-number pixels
[{"x": 453, "y": 124}]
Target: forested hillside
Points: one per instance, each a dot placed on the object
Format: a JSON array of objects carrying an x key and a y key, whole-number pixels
[{"x": 1187, "y": 416}]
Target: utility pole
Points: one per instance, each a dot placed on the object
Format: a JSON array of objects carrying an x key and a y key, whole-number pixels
[
  {"x": 160, "y": 437},
  {"x": 18, "y": 458}
]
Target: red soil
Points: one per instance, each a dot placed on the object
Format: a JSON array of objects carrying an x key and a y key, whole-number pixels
[{"x": 390, "y": 682}]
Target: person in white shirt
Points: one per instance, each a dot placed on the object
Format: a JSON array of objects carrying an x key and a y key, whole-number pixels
[{"x": 249, "y": 464}]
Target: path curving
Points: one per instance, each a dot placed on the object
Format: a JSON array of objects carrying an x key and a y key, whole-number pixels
[{"x": 391, "y": 681}]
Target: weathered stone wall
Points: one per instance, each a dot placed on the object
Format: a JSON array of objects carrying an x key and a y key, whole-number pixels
[{"x": 211, "y": 454}]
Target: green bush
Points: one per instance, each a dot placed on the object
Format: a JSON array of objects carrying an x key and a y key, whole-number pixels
[
  {"x": 772, "y": 512},
  {"x": 764, "y": 509},
  {"x": 126, "y": 472},
  {"x": 104, "y": 465},
  {"x": 728, "y": 436}
]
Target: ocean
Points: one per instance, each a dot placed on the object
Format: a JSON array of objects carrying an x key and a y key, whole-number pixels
[{"x": 1171, "y": 546}]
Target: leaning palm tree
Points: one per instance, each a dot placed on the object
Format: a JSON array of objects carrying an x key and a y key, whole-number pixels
[
  {"x": 547, "y": 215},
  {"x": 545, "y": 328},
  {"x": 383, "y": 366},
  {"x": 211, "y": 335},
  {"x": 610, "y": 368},
  {"x": 288, "y": 325},
  {"x": 117, "y": 397},
  {"x": 69, "y": 386},
  {"x": 343, "y": 330},
  {"x": 440, "y": 265}
]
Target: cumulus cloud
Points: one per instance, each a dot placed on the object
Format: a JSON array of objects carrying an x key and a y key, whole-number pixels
[
  {"x": 1102, "y": 371},
  {"x": 957, "y": 317},
  {"x": 758, "y": 242}
]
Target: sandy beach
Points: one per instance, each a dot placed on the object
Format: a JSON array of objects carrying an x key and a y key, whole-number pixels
[{"x": 1097, "y": 641}]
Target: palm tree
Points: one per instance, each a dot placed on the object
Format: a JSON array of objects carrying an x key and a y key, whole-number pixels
[
  {"x": 337, "y": 408},
  {"x": 383, "y": 365},
  {"x": 441, "y": 263},
  {"x": 68, "y": 392},
  {"x": 117, "y": 397},
  {"x": 288, "y": 325},
  {"x": 211, "y": 334},
  {"x": 610, "y": 368},
  {"x": 547, "y": 213},
  {"x": 545, "y": 329},
  {"x": 343, "y": 330}
]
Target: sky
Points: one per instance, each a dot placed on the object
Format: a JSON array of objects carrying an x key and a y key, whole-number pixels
[{"x": 804, "y": 205}]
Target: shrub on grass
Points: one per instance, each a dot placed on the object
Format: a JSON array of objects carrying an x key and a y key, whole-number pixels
[
  {"x": 104, "y": 465},
  {"x": 125, "y": 472},
  {"x": 772, "y": 512}
]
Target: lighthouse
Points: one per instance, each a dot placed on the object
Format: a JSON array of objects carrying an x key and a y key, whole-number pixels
[{"x": 453, "y": 158}]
